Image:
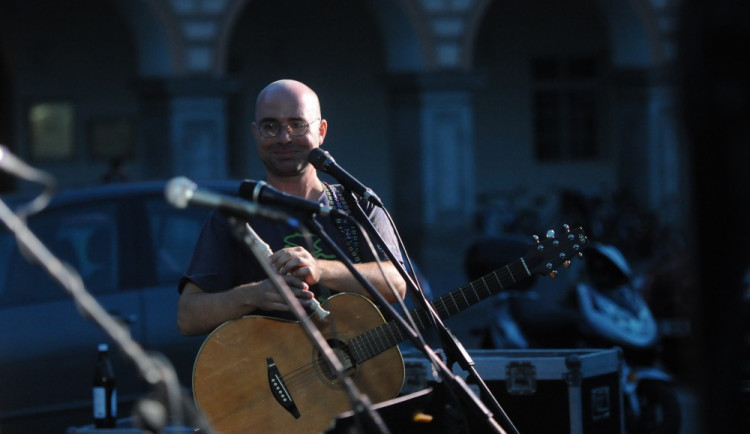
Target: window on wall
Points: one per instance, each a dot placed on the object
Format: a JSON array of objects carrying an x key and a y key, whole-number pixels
[
  {"x": 51, "y": 130},
  {"x": 565, "y": 108},
  {"x": 111, "y": 138}
]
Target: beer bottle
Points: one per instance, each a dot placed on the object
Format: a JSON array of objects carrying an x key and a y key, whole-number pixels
[{"x": 104, "y": 390}]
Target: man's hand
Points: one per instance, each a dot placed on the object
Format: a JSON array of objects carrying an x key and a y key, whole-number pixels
[
  {"x": 265, "y": 296},
  {"x": 296, "y": 262}
]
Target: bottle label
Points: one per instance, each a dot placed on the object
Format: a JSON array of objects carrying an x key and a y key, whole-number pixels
[{"x": 100, "y": 403}]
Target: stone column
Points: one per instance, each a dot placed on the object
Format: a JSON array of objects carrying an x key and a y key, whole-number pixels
[{"x": 432, "y": 129}]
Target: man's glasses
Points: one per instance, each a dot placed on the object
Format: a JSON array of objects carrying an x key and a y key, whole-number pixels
[{"x": 270, "y": 129}]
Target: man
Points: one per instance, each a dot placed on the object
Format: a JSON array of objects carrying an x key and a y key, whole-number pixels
[{"x": 225, "y": 282}]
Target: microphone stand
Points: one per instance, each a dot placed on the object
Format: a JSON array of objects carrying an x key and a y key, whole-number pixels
[
  {"x": 457, "y": 382},
  {"x": 169, "y": 401},
  {"x": 455, "y": 352},
  {"x": 360, "y": 402}
]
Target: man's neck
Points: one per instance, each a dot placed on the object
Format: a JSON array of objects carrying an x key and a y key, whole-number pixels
[{"x": 307, "y": 185}]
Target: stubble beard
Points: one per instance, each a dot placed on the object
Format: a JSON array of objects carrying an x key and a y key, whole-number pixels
[{"x": 299, "y": 169}]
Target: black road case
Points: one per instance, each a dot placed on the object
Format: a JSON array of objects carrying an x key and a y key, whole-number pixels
[{"x": 576, "y": 391}]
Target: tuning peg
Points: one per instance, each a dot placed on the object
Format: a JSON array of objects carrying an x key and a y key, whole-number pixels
[
  {"x": 566, "y": 228},
  {"x": 536, "y": 238},
  {"x": 553, "y": 274},
  {"x": 566, "y": 264}
]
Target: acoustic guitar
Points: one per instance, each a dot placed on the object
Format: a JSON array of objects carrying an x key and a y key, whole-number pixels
[{"x": 263, "y": 375}]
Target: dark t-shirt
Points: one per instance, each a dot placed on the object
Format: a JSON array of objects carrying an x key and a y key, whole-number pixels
[{"x": 222, "y": 260}]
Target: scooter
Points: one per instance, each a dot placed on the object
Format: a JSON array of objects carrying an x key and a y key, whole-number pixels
[{"x": 599, "y": 306}]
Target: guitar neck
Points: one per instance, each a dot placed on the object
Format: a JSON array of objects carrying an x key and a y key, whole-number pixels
[{"x": 379, "y": 339}]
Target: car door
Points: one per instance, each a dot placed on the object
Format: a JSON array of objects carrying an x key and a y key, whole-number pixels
[
  {"x": 171, "y": 234},
  {"x": 48, "y": 345}
]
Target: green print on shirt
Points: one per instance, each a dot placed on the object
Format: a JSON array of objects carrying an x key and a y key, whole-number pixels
[{"x": 298, "y": 239}]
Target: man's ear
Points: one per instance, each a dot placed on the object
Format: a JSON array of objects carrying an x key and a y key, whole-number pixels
[{"x": 322, "y": 130}]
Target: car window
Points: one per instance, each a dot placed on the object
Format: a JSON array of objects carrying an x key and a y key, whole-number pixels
[
  {"x": 82, "y": 236},
  {"x": 174, "y": 233}
]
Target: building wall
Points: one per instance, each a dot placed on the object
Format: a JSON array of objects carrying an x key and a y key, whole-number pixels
[{"x": 428, "y": 100}]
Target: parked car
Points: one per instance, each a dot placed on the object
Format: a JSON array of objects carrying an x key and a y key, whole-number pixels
[{"x": 131, "y": 247}]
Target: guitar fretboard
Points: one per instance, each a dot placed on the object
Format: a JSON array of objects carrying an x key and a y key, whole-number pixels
[{"x": 385, "y": 336}]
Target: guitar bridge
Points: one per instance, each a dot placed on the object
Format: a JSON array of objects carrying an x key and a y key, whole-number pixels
[{"x": 279, "y": 389}]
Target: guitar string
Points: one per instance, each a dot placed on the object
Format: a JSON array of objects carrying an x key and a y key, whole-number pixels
[
  {"x": 293, "y": 377},
  {"x": 484, "y": 290},
  {"x": 505, "y": 273},
  {"x": 455, "y": 305},
  {"x": 290, "y": 378},
  {"x": 299, "y": 377}
]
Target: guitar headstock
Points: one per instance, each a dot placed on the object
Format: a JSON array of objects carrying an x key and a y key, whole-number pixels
[{"x": 547, "y": 254}]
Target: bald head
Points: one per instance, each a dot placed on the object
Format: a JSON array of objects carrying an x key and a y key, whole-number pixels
[{"x": 290, "y": 93}]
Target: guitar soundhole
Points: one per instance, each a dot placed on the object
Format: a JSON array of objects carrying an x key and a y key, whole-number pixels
[{"x": 341, "y": 351}]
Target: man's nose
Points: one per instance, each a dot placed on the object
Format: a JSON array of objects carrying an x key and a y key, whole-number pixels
[{"x": 284, "y": 135}]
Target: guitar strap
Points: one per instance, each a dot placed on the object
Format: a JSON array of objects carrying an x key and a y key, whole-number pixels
[{"x": 348, "y": 230}]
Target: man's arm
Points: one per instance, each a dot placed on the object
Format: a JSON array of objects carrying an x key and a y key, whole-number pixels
[
  {"x": 199, "y": 312},
  {"x": 333, "y": 274},
  {"x": 337, "y": 276}
]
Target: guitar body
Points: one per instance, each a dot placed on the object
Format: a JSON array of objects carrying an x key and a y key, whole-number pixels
[{"x": 246, "y": 369}]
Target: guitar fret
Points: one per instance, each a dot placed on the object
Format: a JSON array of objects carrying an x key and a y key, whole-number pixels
[
  {"x": 366, "y": 342},
  {"x": 471, "y": 285},
  {"x": 510, "y": 272},
  {"x": 355, "y": 350},
  {"x": 367, "y": 349},
  {"x": 370, "y": 344},
  {"x": 453, "y": 300},
  {"x": 497, "y": 277},
  {"x": 422, "y": 316},
  {"x": 371, "y": 347},
  {"x": 450, "y": 304},
  {"x": 466, "y": 301},
  {"x": 444, "y": 305},
  {"x": 439, "y": 306},
  {"x": 472, "y": 296},
  {"x": 395, "y": 339},
  {"x": 381, "y": 339}
]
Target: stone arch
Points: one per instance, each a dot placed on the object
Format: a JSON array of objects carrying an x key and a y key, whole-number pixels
[
  {"x": 227, "y": 28},
  {"x": 473, "y": 24},
  {"x": 404, "y": 26}
]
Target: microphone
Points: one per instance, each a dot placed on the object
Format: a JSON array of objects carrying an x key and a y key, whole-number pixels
[
  {"x": 261, "y": 192},
  {"x": 15, "y": 166},
  {"x": 182, "y": 192},
  {"x": 323, "y": 161},
  {"x": 10, "y": 163}
]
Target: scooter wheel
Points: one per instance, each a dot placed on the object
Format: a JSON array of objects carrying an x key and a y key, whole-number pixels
[{"x": 660, "y": 410}]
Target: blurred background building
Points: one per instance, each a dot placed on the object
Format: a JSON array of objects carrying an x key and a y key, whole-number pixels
[{"x": 467, "y": 117}]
